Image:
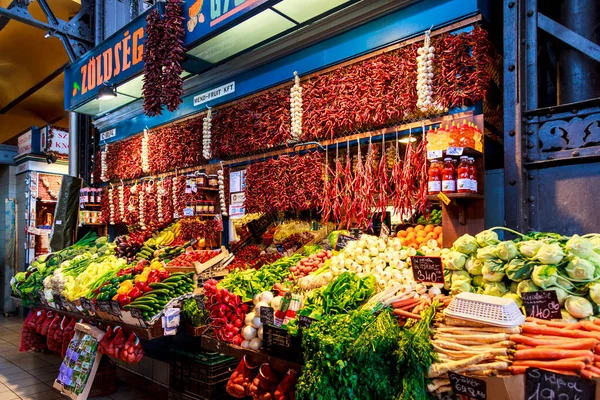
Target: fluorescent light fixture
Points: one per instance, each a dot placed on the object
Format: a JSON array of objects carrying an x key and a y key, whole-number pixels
[
  {"x": 409, "y": 139},
  {"x": 107, "y": 92},
  {"x": 302, "y": 11}
]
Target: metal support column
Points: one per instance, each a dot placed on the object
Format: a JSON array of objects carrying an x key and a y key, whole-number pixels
[{"x": 73, "y": 144}]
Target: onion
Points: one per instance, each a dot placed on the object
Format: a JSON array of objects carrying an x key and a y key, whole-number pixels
[
  {"x": 260, "y": 333},
  {"x": 249, "y": 332},
  {"x": 249, "y": 318},
  {"x": 256, "y": 323},
  {"x": 245, "y": 344},
  {"x": 258, "y": 305},
  {"x": 255, "y": 344},
  {"x": 256, "y": 298},
  {"x": 266, "y": 297}
]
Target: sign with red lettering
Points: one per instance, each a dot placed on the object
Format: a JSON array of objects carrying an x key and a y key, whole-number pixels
[
  {"x": 55, "y": 140},
  {"x": 24, "y": 143}
]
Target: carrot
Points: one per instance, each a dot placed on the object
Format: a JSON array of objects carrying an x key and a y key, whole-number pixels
[
  {"x": 545, "y": 330},
  {"x": 589, "y": 326},
  {"x": 597, "y": 349},
  {"x": 585, "y": 360},
  {"x": 554, "y": 324},
  {"x": 405, "y": 302},
  {"x": 595, "y": 370},
  {"x": 582, "y": 344},
  {"x": 587, "y": 344},
  {"x": 573, "y": 327},
  {"x": 517, "y": 370},
  {"x": 597, "y": 358},
  {"x": 563, "y": 372},
  {"x": 562, "y": 365},
  {"x": 524, "y": 347},
  {"x": 549, "y": 354},
  {"x": 406, "y": 314},
  {"x": 597, "y": 364},
  {"x": 596, "y": 321},
  {"x": 587, "y": 374}
]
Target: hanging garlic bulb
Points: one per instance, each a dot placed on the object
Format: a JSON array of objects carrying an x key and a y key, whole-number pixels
[
  {"x": 145, "y": 161},
  {"x": 174, "y": 194},
  {"x": 425, "y": 74},
  {"x": 160, "y": 192},
  {"x": 122, "y": 202},
  {"x": 141, "y": 207},
  {"x": 132, "y": 192},
  {"x": 111, "y": 205},
  {"x": 206, "y": 135},
  {"x": 221, "y": 179},
  {"x": 103, "y": 166},
  {"x": 296, "y": 108}
]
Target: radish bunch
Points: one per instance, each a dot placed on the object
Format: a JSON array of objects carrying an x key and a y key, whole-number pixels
[{"x": 226, "y": 311}]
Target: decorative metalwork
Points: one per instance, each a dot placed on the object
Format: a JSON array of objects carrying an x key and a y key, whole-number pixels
[{"x": 570, "y": 134}]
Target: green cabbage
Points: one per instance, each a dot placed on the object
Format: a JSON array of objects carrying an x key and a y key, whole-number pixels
[
  {"x": 550, "y": 254},
  {"x": 527, "y": 286},
  {"x": 473, "y": 265},
  {"x": 487, "y": 253},
  {"x": 579, "y": 307},
  {"x": 461, "y": 276},
  {"x": 466, "y": 244},
  {"x": 514, "y": 297},
  {"x": 544, "y": 276},
  {"x": 491, "y": 273},
  {"x": 518, "y": 270},
  {"x": 477, "y": 281},
  {"x": 580, "y": 269},
  {"x": 595, "y": 292},
  {"x": 454, "y": 260},
  {"x": 579, "y": 247},
  {"x": 529, "y": 248},
  {"x": 460, "y": 286},
  {"x": 496, "y": 289},
  {"x": 487, "y": 238}
]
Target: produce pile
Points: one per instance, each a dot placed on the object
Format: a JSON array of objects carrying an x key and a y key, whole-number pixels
[
  {"x": 422, "y": 237},
  {"x": 538, "y": 261},
  {"x": 252, "y": 257}
]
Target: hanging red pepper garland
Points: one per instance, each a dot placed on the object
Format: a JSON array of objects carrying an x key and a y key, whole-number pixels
[{"x": 163, "y": 55}]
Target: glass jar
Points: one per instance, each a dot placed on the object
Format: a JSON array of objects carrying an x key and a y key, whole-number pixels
[
  {"x": 448, "y": 177},
  {"x": 213, "y": 181},
  {"x": 201, "y": 180},
  {"x": 463, "y": 181},
  {"x": 473, "y": 175},
  {"x": 434, "y": 184},
  {"x": 211, "y": 207}
]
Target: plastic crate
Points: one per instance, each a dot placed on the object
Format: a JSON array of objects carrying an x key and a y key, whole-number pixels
[
  {"x": 280, "y": 343},
  {"x": 491, "y": 310},
  {"x": 207, "y": 358}
]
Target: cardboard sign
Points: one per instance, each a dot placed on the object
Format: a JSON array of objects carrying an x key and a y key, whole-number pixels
[
  {"x": 305, "y": 322},
  {"x": 267, "y": 315},
  {"x": 543, "y": 304},
  {"x": 427, "y": 269},
  {"x": 343, "y": 241},
  {"x": 541, "y": 384},
  {"x": 471, "y": 387}
]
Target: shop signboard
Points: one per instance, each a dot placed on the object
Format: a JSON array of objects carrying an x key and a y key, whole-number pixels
[
  {"x": 203, "y": 17},
  {"x": 55, "y": 140},
  {"x": 25, "y": 143},
  {"x": 114, "y": 61}
]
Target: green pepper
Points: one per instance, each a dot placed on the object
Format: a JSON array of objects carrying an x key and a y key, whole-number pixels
[
  {"x": 112, "y": 293},
  {"x": 106, "y": 288},
  {"x": 114, "y": 280}
]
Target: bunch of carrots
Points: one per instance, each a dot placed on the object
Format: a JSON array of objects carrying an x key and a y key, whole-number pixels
[
  {"x": 469, "y": 348},
  {"x": 412, "y": 307},
  {"x": 562, "y": 347}
]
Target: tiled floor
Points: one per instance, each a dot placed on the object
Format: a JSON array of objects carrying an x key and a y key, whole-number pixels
[{"x": 31, "y": 375}]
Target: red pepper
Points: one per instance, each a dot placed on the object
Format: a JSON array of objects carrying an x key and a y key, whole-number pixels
[
  {"x": 153, "y": 274},
  {"x": 153, "y": 280},
  {"x": 147, "y": 289},
  {"x": 141, "y": 285},
  {"x": 135, "y": 293},
  {"x": 123, "y": 299},
  {"x": 162, "y": 275}
]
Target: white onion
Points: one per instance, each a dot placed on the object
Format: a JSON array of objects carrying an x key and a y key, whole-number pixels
[
  {"x": 255, "y": 344},
  {"x": 249, "y": 332}
]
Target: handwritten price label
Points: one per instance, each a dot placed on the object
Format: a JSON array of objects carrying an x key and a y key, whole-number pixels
[
  {"x": 427, "y": 269},
  {"x": 542, "y": 384},
  {"x": 542, "y": 305},
  {"x": 454, "y": 151},
  {"x": 431, "y": 154},
  {"x": 474, "y": 388}
]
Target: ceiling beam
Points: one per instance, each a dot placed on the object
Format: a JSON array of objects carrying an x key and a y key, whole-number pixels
[
  {"x": 34, "y": 89},
  {"x": 4, "y": 20}
]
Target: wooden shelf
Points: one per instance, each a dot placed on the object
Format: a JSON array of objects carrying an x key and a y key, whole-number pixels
[
  {"x": 457, "y": 196},
  {"x": 209, "y": 189},
  {"x": 467, "y": 151},
  {"x": 206, "y": 215},
  {"x": 94, "y": 205},
  {"x": 92, "y": 224},
  {"x": 253, "y": 356}
]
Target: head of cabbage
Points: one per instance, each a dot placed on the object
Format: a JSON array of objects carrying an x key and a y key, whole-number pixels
[
  {"x": 487, "y": 238},
  {"x": 477, "y": 281},
  {"x": 473, "y": 265},
  {"x": 506, "y": 251},
  {"x": 460, "y": 286},
  {"x": 492, "y": 272},
  {"x": 550, "y": 254},
  {"x": 544, "y": 276},
  {"x": 497, "y": 289},
  {"x": 529, "y": 248},
  {"x": 527, "y": 286},
  {"x": 461, "y": 276},
  {"x": 454, "y": 260},
  {"x": 594, "y": 292},
  {"x": 466, "y": 244},
  {"x": 579, "y": 246},
  {"x": 514, "y": 297},
  {"x": 487, "y": 253},
  {"x": 580, "y": 269},
  {"x": 518, "y": 270}
]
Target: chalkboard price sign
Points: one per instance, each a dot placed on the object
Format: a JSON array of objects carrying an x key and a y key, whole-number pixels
[
  {"x": 541, "y": 384},
  {"x": 343, "y": 241},
  {"x": 58, "y": 302},
  {"x": 135, "y": 313},
  {"x": 427, "y": 269},
  {"x": 115, "y": 309},
  {"x": 542, "y": 305},
  {"x": 104, "y": 306},
  {"x": 267, "y": 315},
  {"x": 305, "y": 322},
  {"x": 280, "y": 249},
  {"x": 471, "y": 387},
  {"x": 200, "y": 303}
]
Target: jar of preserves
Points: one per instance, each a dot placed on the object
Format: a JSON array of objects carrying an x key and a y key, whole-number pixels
[
  {"x": 213, "y": 181},
  {"x": 473, "y": 175},
  {"x": 448, "y": 177},
  {"x": 201, "y": 180},
  {"x": 434, "y": 184},
  {"x": 463, "y": 180}
]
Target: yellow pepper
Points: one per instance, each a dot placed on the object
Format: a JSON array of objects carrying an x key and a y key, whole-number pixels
[
  {"x": 156, "y": 265},
  {"x": 125, "y": 287},
  {"x": 115, "y": 297}
]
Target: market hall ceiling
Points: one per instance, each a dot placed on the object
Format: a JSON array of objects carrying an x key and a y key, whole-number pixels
[{"x": 31, "y": 71}]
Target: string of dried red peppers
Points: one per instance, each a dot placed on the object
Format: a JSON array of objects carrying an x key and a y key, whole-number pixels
[{"x": 163, "y": 55}]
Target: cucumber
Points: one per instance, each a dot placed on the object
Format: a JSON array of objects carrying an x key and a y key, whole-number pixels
[
  {"x": 140, "y": 306},
  {"x": 172, "y": 279},
  {"x": 159, "y": 285},
  {"x": 161, "y": 291}
]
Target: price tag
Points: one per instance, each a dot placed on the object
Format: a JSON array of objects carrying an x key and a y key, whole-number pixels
[
  {"x": 356, "y": 232},
  {"x": 454, "y": 151},
  {"x": 471, "y": 387},
  {"x": 385, "y": 231},
  {"x": 542, "y": 384},
  {"x": 543, "y": 304},
  {"x": 431, "y": 154},
  {"x": 267, "y": 315},
  {"x": 305, "y": 322},
  {"x": 115, "y": 309},
  {"x": 200, "y": 303},
  {"x": 42, "y": 298},
  {"x": 343, "y": 241},
  {"x": 188, "y": 212},
  {"x": 427, "y": 269},
  {"x": 136, "y": 313},
  {"x": 443, "y": 198},
  {"x": 280, "y": 249}
]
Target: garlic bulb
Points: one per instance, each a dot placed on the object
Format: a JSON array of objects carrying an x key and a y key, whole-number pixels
[
  {"x": 206, "y": 135},
  {"x": 141, "y": 207},
  {"x": 111, "y": 206},
  {"x": 103, "y": 166},
  {"x": 145, "y": 162},
  {"x": 122, "y": 203},
  {"x": 425, "y": 75},
  {"x": 222, "y": 192},
  {"x": 296, "y": 108},
  {"x": 160, "y": 192},
  {"x": 174, "y": 194}
]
